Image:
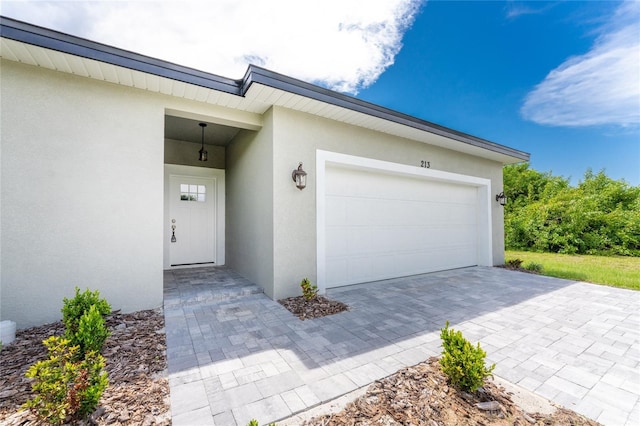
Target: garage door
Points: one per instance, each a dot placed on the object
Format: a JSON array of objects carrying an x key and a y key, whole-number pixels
[{"x": 381, "y": 225}]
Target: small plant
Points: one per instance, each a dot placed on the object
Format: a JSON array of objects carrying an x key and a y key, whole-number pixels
[
  {"x": 73, "y": 311},
  {"x": 254, "y": 422},
  {"x": 462, "y": 362},
  {"x": 514, "y": 263},
  {"x": 92, "y": 332},
  {"x": 66, "y": 388},
  {"x": 309, "y": 291},
  {"x": 533, "y": 267}
]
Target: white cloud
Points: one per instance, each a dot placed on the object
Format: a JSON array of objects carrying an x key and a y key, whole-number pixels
[
  {"x": 601, "y": 87},
  {"x": 342, "y": 44},
  {"x": 515, "y": 9}
]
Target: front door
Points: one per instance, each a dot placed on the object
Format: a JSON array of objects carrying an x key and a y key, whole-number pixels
[{"x": 192, "y": 215}]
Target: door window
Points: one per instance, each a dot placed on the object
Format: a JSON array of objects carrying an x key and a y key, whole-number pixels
[{"x": 190, "y": 192}]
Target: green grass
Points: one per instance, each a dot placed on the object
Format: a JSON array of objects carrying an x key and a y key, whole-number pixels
[{"x": 616, "y": 271}]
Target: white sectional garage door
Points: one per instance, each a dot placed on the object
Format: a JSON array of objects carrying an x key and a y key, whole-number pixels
[{"x": 382, "y": 225}]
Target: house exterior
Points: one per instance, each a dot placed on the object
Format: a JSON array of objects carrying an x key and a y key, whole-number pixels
[{"x": 99, "y": 161}]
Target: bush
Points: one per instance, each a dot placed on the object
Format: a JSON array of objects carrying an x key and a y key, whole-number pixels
[
  {"x": 73, "y": 312},
  {"x": 545, "y": 214},
  {"x": 66, "y": 388},
  {"x": 514, "y": 263},
  {"x": 462, "y": 362},
  {"x": 92, "y": 332},
  {"x": 309, "y": 291},
  {"x": 254, "y": 422},
  {"x": 533, "y": 267}
]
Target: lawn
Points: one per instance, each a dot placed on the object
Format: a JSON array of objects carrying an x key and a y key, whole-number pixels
[{"x": 618, "y": 271}]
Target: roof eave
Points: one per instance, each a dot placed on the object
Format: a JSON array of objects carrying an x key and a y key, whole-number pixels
[{"x": 65, "y": 43}]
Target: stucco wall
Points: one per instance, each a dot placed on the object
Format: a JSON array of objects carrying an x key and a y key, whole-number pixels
[
  {"x": 82, "y": 193},
  {"x": 250, "y": 205},
  {"x": 296, "y": 138},
  {"x": 82, "y": 190}
]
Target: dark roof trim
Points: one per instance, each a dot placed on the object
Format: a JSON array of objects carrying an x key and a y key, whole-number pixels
[
  {"x": 54, "y": 40},
  {"x": 65, "y": 43},
  {"x": 289, "y": 84}
]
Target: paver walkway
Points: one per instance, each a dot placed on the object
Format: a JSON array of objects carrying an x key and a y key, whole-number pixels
[{"x": 232, "y": 359}]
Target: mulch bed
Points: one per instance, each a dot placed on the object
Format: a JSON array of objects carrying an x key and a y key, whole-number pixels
[
  {"x": 135, "y": 354},
  {"x": 317, "y": 307},
  {"x": 420, "y": 395}
]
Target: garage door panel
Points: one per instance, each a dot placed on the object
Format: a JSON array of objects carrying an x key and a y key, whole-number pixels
[
  {"x": 335, "y": 243},
  {"x": 381, "y": 226},
  {"x": 336, "y": 211},
  {"x": 377, "y": 212},
  {"x": 337, "y": 271},
  {"x": 359, "y": 269}
]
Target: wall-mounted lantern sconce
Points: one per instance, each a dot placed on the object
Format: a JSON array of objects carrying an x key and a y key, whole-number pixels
[
  {"x": 299, "y": 177},
  {"x": 203, "y": 153},
  {"x": 501, "y": 198}
]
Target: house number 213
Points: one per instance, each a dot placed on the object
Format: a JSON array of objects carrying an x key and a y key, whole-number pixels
[{"x": 425, "y": 164}]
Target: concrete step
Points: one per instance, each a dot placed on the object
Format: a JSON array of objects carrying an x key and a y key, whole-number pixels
[{"x": 203, "y": 285}]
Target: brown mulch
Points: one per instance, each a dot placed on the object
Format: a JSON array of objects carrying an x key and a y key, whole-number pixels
[
  {"x": 135, "y": 354},
  {"x": 317, "y": 307},
  {"x": 420, "y": 395}
]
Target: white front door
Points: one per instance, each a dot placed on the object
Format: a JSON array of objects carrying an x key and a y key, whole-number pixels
[{"x": 192, "y": 215}]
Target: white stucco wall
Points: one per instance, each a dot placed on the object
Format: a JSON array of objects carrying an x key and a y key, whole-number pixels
[
  {"x": 82, "y": 193},
  {"x": 250, "y": 205},
  {"x": 82, "y": 190},
  {"x": 296, "y": 138}
]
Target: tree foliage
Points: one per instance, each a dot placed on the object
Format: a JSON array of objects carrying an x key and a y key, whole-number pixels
[{"x": 544, "y": 213}]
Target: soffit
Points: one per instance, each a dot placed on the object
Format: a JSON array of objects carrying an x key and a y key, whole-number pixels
[{"x": 258, "y": 98}]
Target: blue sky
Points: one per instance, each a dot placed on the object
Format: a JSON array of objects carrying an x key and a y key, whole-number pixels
[
  {"x": 471, "y": 66},
  {"x": 560, "y": 80}
]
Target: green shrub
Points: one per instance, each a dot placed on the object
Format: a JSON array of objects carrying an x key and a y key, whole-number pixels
[
  {"x": 515, "y": 263},
  {"x": 309, "y": 291},
  {"x": 92, "y": 331},
  {"x": 533, "y": 267},
  {"x": 65, "y": 388},
  {"x": 254, "y": 422},
  {"x": 73, "y": 311},
  {"x": 462, "y": 362}
]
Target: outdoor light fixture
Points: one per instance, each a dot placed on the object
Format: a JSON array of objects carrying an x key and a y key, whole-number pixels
[
  {"x": 203, "y": 153},
  {"x": 299, "y": 177},
  {"x": 501, "y": 198}
]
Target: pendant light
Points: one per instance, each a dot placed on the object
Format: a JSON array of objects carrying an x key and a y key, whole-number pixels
[{"x": 203, "y": 153}]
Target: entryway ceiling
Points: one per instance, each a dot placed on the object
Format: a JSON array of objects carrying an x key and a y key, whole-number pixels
[{"x": 184, "y": 129}]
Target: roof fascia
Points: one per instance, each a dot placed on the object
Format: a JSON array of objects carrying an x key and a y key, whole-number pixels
[
  {"x": 65, "y": 43},
  {"x": 266, "y": 77}
]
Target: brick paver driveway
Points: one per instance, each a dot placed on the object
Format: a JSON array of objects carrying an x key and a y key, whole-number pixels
[{"x": 236, "y": 358}]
